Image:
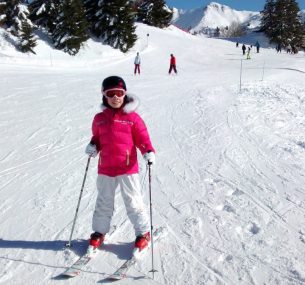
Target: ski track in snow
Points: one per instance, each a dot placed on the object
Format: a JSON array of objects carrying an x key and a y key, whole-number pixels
[{"x": 228, "y": 183}]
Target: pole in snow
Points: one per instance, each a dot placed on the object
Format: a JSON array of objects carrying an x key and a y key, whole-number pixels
[
  {"x": 263, "y": 71},
  {"x": 78, "y": 203},
  {"x": 151, "y": 223},
  {"x": 241, "y": 71}
]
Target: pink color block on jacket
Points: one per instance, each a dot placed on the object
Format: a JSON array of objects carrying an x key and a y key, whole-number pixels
[{"x": 117, "y": 134}]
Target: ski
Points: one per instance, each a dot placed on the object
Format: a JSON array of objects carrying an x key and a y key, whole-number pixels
[
  {"x": 76, "y": 268},
  {"x": 121, "y": 272}
]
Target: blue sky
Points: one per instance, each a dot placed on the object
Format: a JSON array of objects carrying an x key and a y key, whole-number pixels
[{"x": 250, "y": 5}]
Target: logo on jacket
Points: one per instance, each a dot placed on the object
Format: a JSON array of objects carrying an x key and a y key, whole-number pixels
[{"x": 124, "y": 122}]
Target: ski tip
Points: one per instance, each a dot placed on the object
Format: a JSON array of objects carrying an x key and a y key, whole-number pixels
[
  {"x": 71, "y": 274},
  {"x": 162, "y": 230},
  {"x": 63, "y": 277},
  {"x": 115, "y": 277}
]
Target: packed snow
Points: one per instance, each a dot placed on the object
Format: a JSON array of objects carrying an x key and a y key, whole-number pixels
[{"x": 228, "y": 185}]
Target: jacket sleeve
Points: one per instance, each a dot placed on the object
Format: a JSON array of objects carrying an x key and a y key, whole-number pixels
[
  {"x": 141, "y": 136},
  {"x": 95, "y": 134}
]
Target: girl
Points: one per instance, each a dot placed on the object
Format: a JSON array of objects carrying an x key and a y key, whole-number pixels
[{"x": 117, "y": 131}]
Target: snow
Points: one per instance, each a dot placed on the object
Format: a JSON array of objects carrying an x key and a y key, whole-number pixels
[{"x": 229, "y": 180}]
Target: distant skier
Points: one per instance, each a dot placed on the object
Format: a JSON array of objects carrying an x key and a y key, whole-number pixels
[
  {"x": 248, "y": 53},
  {"x": 172, "y": 64},
  {"x": 117, "y": 132},
  {"x": 137, "y": 62},
  {"x": 257, "y": 46},
  {"x": 237, "y": 44},
  {"x": 244, "y": 49}
]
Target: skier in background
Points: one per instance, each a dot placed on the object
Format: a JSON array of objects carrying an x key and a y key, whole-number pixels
[
  {"x": 257, "y": 46},
  {"x": 117, "y": 131},
  {"x": 248, "y": 53},
  {"x": 279, "y": 48},
  {"x": 244, "y": 49},
  {"x": 137, "y": 62},
  {"x": 172, "y": 64}
]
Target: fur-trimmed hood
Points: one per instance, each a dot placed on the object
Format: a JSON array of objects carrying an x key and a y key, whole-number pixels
[{"x": 131, "y": 103}]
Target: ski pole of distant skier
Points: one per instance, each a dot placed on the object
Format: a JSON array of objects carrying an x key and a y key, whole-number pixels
[
  {"x": 78, "y": 203},
  {"x": 151, "y": 222}
]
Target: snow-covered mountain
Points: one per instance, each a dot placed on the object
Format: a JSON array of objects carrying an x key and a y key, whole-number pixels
[{"x": 214, "y": 15}]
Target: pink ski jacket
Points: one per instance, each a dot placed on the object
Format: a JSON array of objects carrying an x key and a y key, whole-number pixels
[{"x": 117, "y": 134}]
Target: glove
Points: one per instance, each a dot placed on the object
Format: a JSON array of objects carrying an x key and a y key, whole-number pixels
[
  {"x": 91, "y": 150},
  {"x": 150, "y": 157}
]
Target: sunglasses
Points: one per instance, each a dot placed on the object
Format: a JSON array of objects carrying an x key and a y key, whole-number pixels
[{"x": 114, "y": 92}]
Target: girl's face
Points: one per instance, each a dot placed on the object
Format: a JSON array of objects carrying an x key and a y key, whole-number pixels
[
  {"x": 115, "y": 97},
  {"x": 115, "y": 102}
]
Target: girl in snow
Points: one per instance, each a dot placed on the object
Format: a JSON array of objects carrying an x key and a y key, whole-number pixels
[{"x": 117, "y": 131}]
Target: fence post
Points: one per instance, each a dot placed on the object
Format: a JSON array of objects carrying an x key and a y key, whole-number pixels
[{"x": 241, "y": 71}]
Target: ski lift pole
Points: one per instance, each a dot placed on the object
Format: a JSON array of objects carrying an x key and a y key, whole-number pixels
[
  {"x": 240, "y": 76},
  {"x": 263, "y": 70},
  {"x": 151, "y": 222},
  {"x": 78, "y": 203}
]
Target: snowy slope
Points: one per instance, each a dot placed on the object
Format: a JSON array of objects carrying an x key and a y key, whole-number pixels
[
  {"x": 214, "y": 15},
  {"x": 229, "y": 180}
]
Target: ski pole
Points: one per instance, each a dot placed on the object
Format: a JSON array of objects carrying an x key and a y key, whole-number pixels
[
  {"x": 79, "y": 199},
  {"x": 151, "y": 222}
]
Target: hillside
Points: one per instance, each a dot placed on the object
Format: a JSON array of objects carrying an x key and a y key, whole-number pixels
[{"x": 228, "y": 185}]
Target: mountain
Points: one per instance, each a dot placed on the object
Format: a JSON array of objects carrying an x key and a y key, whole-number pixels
[
  {"x": 212, "y": 16},
  {"x": 216, "y": 15}
]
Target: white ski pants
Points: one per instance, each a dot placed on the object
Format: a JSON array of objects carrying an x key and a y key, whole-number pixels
[{"x": 131, "y": 192}]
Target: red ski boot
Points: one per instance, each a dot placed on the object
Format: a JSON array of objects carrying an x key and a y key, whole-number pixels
[
  {"x": 142, "y": 241},
  {"x": 96, "y": 240}
]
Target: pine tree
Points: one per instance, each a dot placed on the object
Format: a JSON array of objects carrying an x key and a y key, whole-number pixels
[
  {"x": 288, "y": 28},
  {"x": 92, "y": 8},
  {"x": 8, "y": 12},
  {"x": 99, "y": 15},
  {"x": 123, "y": 34},
  {"x": 2, "y": 13},
  {"x": 20, "y": 14},
  {"x": 296, "y": 27},
  {"x": 268, "y": 17},
  {"x": 27, "y": 39},
  {"x": 113, "y": 22},
  {"x": 44, "y": 13},
  {"x": 71, "y": 27},
  {"x": 154, "y": 13},
  {"x": 15, "y": 18}
]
